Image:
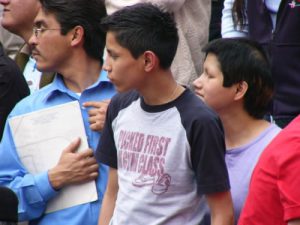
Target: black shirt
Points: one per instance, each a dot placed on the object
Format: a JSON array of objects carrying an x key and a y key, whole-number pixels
[{"x": 13, "y": 87}]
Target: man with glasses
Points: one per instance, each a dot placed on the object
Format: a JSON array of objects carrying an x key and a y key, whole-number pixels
[
  {"x": 18, "y": 17},
  {"x": 66, "y": 38}
]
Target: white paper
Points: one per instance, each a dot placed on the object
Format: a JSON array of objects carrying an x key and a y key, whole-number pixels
[{"x": 41, "y": 136}]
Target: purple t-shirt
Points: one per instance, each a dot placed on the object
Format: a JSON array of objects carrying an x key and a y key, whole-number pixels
[{"x": 241, "y": 162}]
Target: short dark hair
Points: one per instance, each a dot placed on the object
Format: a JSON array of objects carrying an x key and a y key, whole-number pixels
[
  {"x": 88, "y": 14},
  {"x": 144, "y": 27},
  {"x": 241, "y": 59}
]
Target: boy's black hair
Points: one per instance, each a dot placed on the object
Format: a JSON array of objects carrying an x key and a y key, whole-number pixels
[
  {"x": 88, "y": 14},
  {"x": 241, "y": 59},
  {"x": 144, "y": 27}
]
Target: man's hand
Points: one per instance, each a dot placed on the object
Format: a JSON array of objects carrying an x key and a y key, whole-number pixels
[
  {"x": 97, "y": 114},
  {"x": 73, "y": 167}
]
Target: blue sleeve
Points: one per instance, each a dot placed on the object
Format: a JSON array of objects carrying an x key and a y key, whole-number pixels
[{"x": 33, "y": 191}]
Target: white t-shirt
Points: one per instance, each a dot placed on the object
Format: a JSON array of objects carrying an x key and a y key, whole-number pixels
[{"x": 167, "y": 156}]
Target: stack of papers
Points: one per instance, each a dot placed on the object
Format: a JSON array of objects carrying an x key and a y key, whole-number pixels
[{"x": 40, "y": 138}]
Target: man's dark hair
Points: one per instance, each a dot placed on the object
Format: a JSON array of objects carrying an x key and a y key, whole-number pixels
[
  {"x": 88, "y": 14},
  {"x": 241, "y": 59},
  {"x": 144, "y": 27}
]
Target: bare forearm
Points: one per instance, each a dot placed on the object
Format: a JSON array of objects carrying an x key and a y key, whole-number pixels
[
  {"x": 221, "y": 208},
  {"x": 110, "y": 197},
  {"x": 222, "y": 220},
  {"x": 55, "y": 179},
  {"x": 107, "y": 210}
]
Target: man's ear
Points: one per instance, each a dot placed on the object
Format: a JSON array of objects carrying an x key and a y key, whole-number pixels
[
  {"x": 150, "y": 61},
  {"x": 76, "y": 35},
  {"x": 241, "y": 89}
]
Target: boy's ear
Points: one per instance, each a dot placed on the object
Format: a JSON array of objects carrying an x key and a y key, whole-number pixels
[
  {"x": 76, "y": 35},
  {"x": 241, "y": 89},
  {"x": 150, "y": 61}
]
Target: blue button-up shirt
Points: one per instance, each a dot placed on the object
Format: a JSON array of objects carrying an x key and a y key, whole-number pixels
[{"x": 34, "y": 191}]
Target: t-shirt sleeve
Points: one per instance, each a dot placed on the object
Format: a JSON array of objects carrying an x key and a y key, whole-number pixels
[
  {"x": 289, "y": 182},
  {"x": 208, "y": 156},
  {"x": 106, "y": 152}
]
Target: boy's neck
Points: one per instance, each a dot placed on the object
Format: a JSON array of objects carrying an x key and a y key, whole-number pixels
[
  {"x": 161, "y": 89},
  {"x": 234, "y": 127}
]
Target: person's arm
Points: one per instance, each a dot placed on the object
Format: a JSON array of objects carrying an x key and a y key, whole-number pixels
[
  {"x": 97, "y": 114},
  {"x": 33, "y": 191},
  {"x": 169, "y": 5},
  {"x": 287, "y": 167},
  {"x": 208, "y": 161},
  {"x": 221, "y": 208},
  {"x": 228, "y": 29},
  {"x": 294, "y": 222},
  {"x": 110, "y": 196}
]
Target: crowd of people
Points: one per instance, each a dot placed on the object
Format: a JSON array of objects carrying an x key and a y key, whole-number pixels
[{"x": 189, "y": 110}]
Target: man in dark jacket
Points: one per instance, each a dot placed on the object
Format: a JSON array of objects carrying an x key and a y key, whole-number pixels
[{"x": 13, "y": 87}]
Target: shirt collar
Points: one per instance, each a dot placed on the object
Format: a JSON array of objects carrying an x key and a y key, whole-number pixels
[{"x": 58, "y": 86}]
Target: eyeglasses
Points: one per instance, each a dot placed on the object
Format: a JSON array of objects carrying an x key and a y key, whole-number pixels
[{"x": 38, "y": 30}]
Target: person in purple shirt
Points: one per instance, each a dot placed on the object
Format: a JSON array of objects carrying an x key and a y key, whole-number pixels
[
  {"x": 274, "y": 25},
  {"x": 237, "y": 84}
]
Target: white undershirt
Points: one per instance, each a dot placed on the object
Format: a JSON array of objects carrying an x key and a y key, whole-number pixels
[{"x": 32, "y": 75}]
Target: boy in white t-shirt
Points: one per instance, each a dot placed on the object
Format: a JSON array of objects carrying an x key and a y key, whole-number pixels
[{"x": 164, "y": 146}]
